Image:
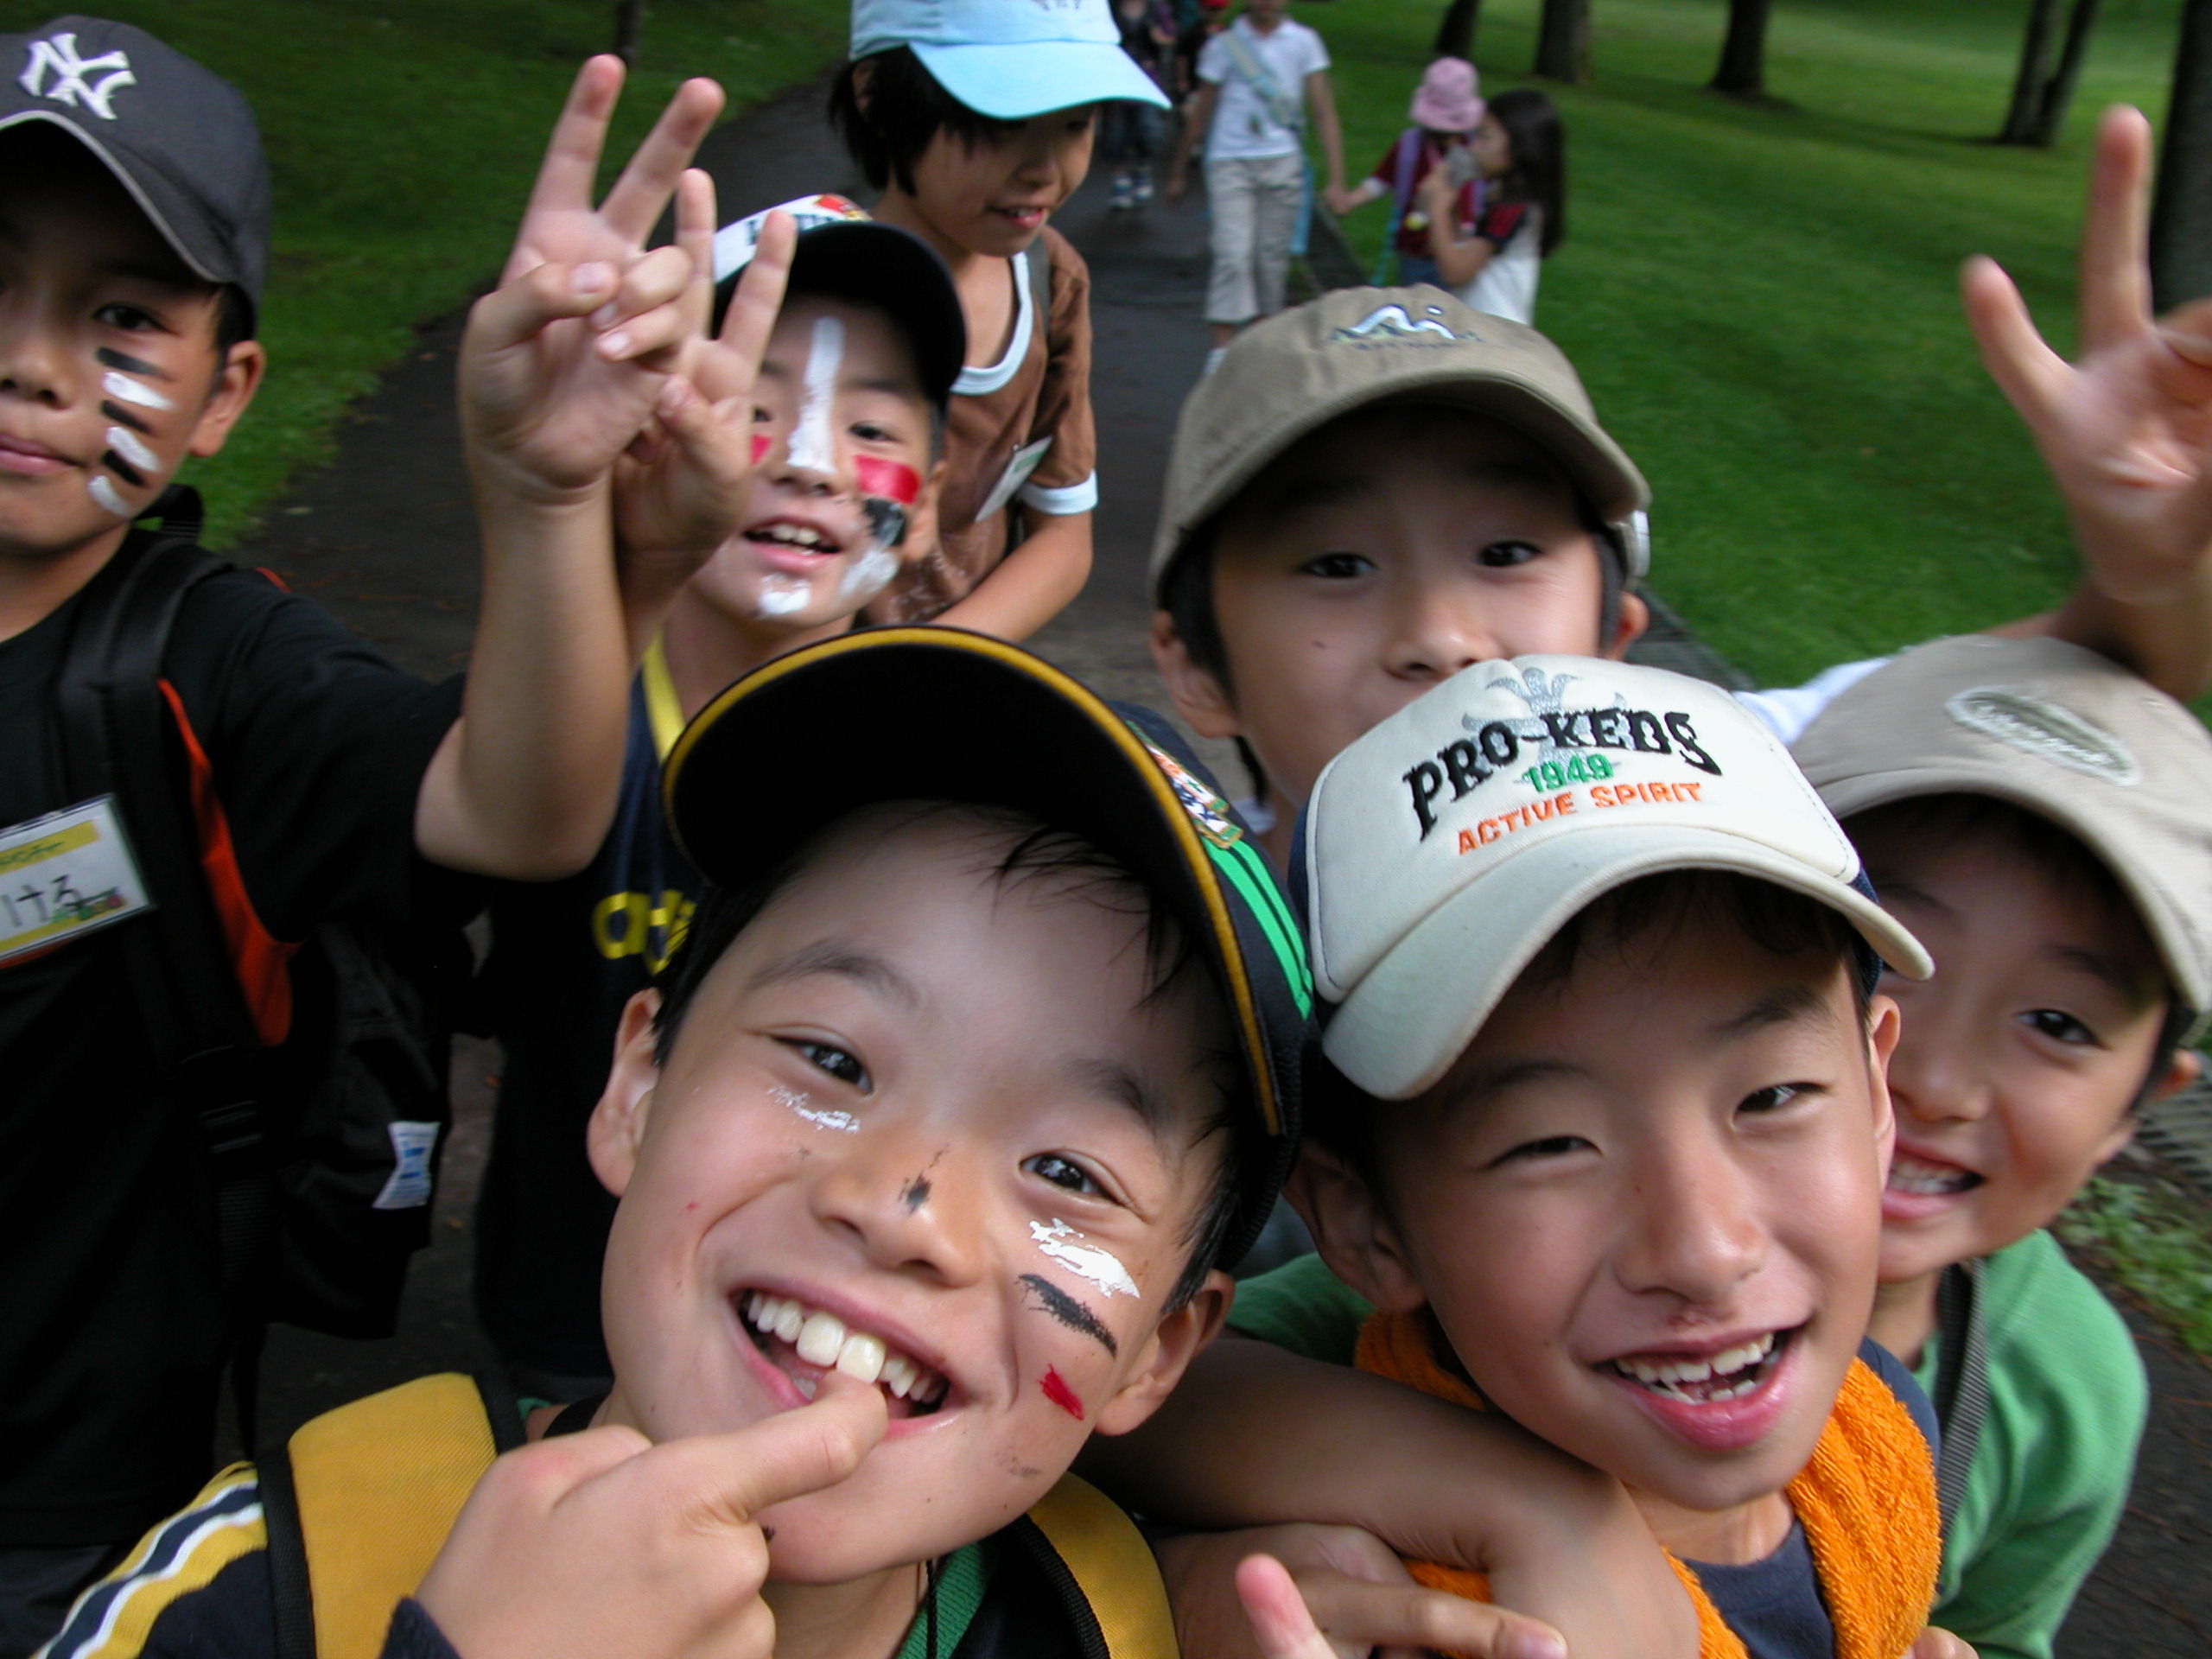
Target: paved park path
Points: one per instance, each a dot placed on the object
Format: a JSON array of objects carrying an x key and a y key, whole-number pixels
[{"x": 384, "y": 536}]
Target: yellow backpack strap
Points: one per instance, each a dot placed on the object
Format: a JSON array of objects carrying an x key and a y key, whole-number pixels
[
  {"x": 361, "y": 1503},
  {"x": 1113, "y": 1567}
]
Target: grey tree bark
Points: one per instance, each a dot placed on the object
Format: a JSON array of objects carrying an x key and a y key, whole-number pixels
[
  {"x": 1563, "y": 40},
  {"x": 2181, "y": 212},
  {"x": 1742, "y": 72},
  {"x": 1455, "y": 35}
]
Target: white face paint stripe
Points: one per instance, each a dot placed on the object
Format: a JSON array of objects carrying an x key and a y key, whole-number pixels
[
  {"x": 125, "y": 442},
  {"x": 105, "y": 497},
  {"x": 782, "y": 595},
  {"x": 820, "y": 1118},
  {"x": 1103, "y": 1268},
  {"x": 124, "y": 389},
  {"x": 812, "y": 447},
  {"x": 868, "y": 575}
]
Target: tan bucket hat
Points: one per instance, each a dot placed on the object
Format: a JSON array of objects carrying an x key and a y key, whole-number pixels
[{"x": 1282, "y": 378}]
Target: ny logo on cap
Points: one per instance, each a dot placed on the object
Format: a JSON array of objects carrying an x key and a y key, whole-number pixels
[{"x": 58, "y": 57}]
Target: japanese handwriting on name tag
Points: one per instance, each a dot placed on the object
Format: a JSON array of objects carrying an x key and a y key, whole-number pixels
[{"x": 63, "y": 875}]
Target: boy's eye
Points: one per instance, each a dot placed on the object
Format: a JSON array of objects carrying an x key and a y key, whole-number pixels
[
  {"x": 2060, "y": 1026},
  {"x": 1337, "y": 567},
  {"x": 1501, "y": 556},
  {"x": 1064, "y": 1173},
  {"x": 129, "y": 317},
  {"x": 872, "y": 432},
  {"x": 1552, "y": 1146},
  {"x": 1772, "y": 1099},
  {"x": 837, "y": 1061},
  {"x": 762, "y": 417}
]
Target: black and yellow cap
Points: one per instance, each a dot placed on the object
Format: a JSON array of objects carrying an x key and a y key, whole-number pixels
[{"x": 941, "y": 714}]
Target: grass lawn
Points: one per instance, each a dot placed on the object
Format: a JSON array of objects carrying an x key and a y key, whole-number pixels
[
  {"x": 1763, "y": 297},
  {"x": 402, "y": 135}
]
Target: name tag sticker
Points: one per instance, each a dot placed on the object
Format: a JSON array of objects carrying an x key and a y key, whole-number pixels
[
  {"x": 1025, "y": 462},
  {"x": 65, "y": 873}
]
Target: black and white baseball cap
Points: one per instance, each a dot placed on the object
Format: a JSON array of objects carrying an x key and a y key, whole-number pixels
[{"x": 182, "y": 141}]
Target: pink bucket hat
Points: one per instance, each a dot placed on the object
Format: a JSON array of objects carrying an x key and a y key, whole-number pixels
[{"x": 1447, "y": 100}]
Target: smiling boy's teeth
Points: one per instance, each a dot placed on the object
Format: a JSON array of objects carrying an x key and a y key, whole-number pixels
[
  {"x": 821, "y": 1339},
  {"x": 1913, "y": 1175},
  {"x": 898, "y": 1374},
  {"x": 790, "y": 1321},
  {"x": 1731, "y": 1372},
  {"x": 861, "y": 1356}
]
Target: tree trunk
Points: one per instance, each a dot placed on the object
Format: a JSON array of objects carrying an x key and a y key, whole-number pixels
[
  {"x": 1455, "y": 36},
  {"x": 1742, "y": 72},
  {"x": 1563, "y": 40},
  {"x": 2181, "y": 216},
  {"x": 2059, "y": 92},
  {"x": 629, "y": 24},
  {"x": 2028, "y": 85}
]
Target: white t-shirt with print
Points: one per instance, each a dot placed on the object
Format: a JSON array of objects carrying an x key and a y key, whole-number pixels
[{"x": 1243, "y": 127}]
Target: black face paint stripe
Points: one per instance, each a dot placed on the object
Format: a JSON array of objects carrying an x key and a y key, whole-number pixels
[
  {"x": 1070, "y": 1312},
  {"x": 123, "y": 360},
  {"x": 124, "y": 470},
  {"x": 122, "y": 417},
  {"x": 915, "y": 1194}
]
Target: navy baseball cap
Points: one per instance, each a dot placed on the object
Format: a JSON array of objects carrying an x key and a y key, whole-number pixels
[
  {"x": 942, "y": 714},
  {"x": 182, "y": 141}
]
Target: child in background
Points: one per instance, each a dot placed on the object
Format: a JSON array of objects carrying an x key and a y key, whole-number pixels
[
  {"x": 1128, "y": 132},
  {"x": 1447, "y": 107},
  {"x": 1487, "y": 242},
  {"x": 976, "y": 1069},
  {"x": 327, "y": 782},
  {"x": 2035, "y": 815},
  {"x": 974, "y": 120},
  {"x": 845, "y": 414},
  {"x": 1257, "y": 80}
]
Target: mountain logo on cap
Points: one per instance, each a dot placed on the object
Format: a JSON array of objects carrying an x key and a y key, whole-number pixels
[
  {"x": 2034, "y": 727},
  {"x": 1391, "y": 322},
  {"x": 54, "y": 70}
]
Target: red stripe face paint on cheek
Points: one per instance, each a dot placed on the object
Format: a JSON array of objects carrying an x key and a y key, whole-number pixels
[
  {"x": 877, "y": 476},
  {"x": 1057, "y": 1391},
  {"x": 761, "y": 444}
]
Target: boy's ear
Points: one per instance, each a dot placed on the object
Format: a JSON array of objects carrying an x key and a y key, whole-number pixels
[
  {"x": 1351, "y": 1230},
  {"x": 1197, "y": 695},
  {"x": 1173, "y": 1346},
  {"x": 922, "y": 522},
  {"x": 863, "y": 74},
  {"x": 1633, "y": 618},
  {"x": 617, "y": 1128},
  {"x": 1884, "y": 1022},
  {"x": 235, "y": 385},
  {"x": 2184, "y": 1067}
]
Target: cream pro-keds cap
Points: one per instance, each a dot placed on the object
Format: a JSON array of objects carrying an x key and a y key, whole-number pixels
[
  {"x": 2055, "y": 730},
  {"x": 1445, "y": 848},
  {"x": 1296, "y": 371}
]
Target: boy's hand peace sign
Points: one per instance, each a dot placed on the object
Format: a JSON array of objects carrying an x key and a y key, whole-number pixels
[
  {"x": 603, "y": 1546},
  {"x": 565, "y": 362},
  {"x": 2125, "y": 428}
]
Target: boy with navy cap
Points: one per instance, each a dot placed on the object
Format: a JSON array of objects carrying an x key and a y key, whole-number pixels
[
  {"x": 975, "y": 119},
  {"x": 134, "y": 236}
]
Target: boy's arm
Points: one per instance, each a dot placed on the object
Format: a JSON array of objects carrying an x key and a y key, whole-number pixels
[
  {"x": 1321, "y": 98},
  {"x": 1034, "y": 583},
  {"x": 2125, "y": 431},
  {"x": 564, "y": 365},
  {"x": 1254, "y": 1436}
]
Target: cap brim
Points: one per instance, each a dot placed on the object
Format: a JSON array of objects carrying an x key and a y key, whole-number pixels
[
  {"x": 1418, "y": 1008},
  {"x": 1014, "y": 81},
  {"x": 2177, "y": 947},
  {"x": 940, "y": 714}
]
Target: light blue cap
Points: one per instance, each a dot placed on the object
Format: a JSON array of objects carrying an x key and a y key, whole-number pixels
[{"x": 1010, "y": 59}]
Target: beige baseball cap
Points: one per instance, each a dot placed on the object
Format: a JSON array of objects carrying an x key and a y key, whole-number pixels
[
  {"x": 1281, "y": 379},
  {"x": 2056, "y": 730},
  {"x": 1445, "y": 848}
]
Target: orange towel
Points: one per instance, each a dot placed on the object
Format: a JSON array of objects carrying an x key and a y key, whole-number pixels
[{"x": 1867, "y": 1500}]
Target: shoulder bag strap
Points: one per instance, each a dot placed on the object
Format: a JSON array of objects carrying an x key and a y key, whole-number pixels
[
  {"x": 1961, "y": 1381},
  {"x": 1288, "y": 112},
  {"x": 1112, "y": 1567}
]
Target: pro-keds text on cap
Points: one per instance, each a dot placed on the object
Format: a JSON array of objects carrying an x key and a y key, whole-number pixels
[
  {"x": 1010, "y": 59},
  {"x": 182, "y": 141},
  {"x": 2055, "y": 730},
  {"x": 1444, "y": 849},
  {"x": 1295, "y": 372}
]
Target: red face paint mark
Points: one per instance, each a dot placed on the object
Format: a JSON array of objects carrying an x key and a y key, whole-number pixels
[
  {"x": 1057, "y": 1391},
  {"x": 761, "y": 444},
  {"x": 877, "y": 476}
]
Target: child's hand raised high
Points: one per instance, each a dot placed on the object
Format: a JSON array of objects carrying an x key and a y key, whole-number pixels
[
  {"x": 565, "y": 361},
  {"x": 2125, "y": 428}
]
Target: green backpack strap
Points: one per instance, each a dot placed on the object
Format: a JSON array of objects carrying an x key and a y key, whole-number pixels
[
  {"x": 359, "y": 1501},
  {"x": 1113, "y": 1567}
]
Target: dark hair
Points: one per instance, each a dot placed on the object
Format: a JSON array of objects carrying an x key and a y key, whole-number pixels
[
  {"x": 1656, "y": 908},
  {"x": 888, "y": 127},
  {"x": 1944, "y": 820},
  {"x": 233, "y": 320},
  {"x": 1037, "y": 849},
  {"x": 1538, "y": 175}
]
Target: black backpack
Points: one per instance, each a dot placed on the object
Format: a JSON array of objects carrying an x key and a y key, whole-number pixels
[{"x": 323, "y": 1149}]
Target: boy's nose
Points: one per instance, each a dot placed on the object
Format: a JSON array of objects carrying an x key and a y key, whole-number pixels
[
  {"x": 1434, "y": 639},
  {"x": 906, "y": 1203},
  {"x": 1696, "y": 1234},
  {"x": 1933, "y": 1081}
]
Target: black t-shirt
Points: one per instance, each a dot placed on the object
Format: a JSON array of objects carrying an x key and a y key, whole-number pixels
[
  {"x": 566, "y": 956},
  {"x": 113, "y": 1331}
]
